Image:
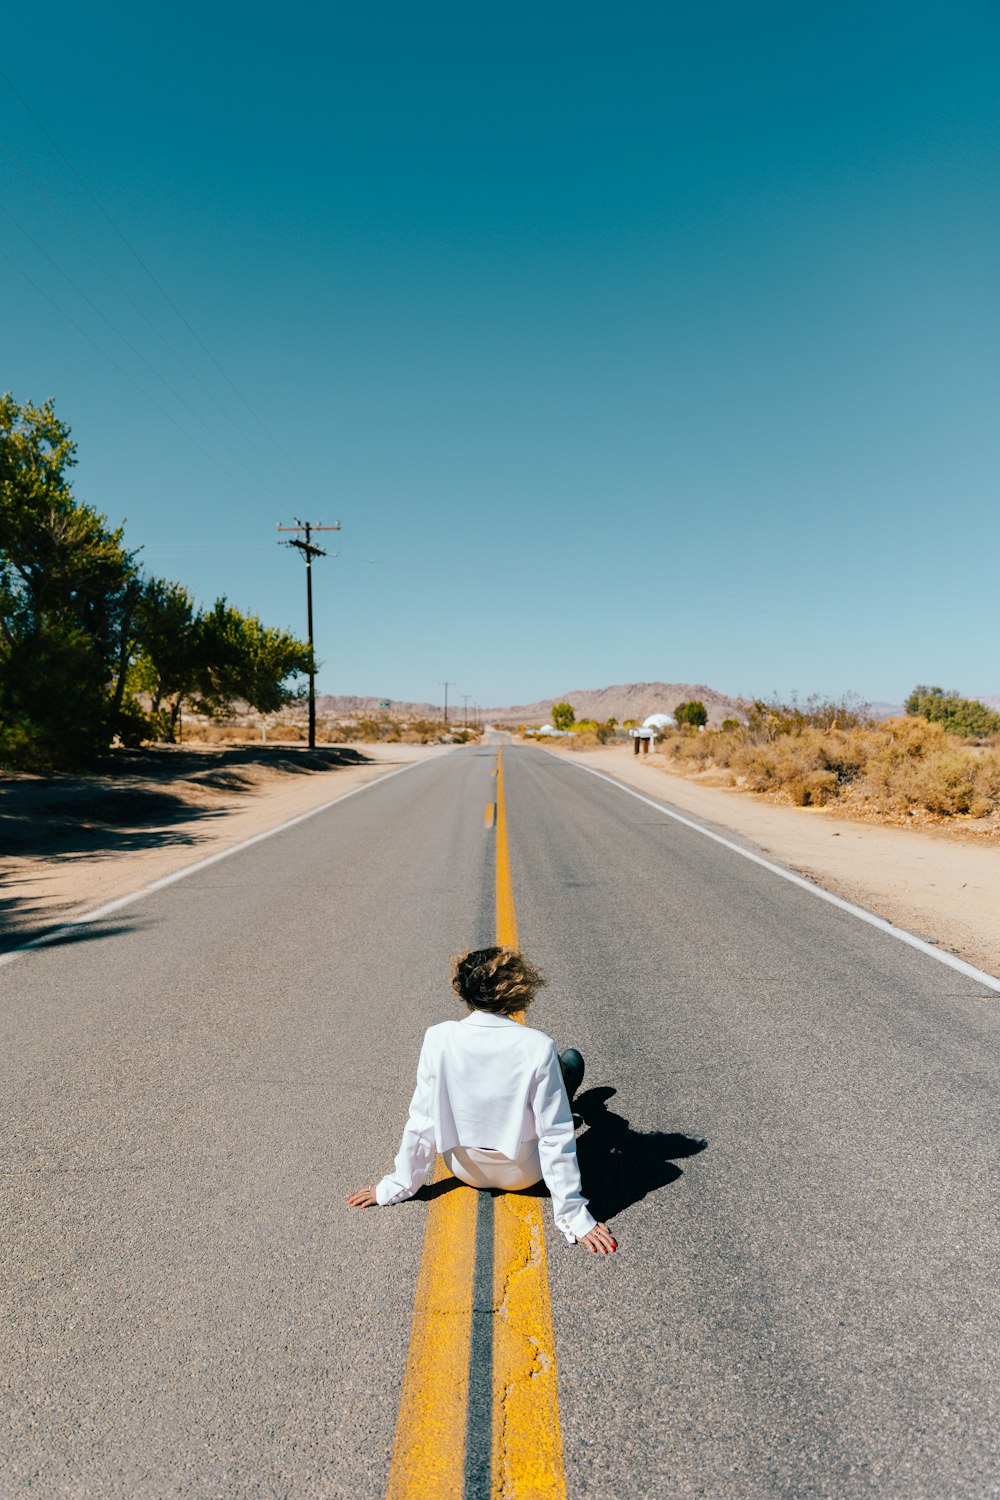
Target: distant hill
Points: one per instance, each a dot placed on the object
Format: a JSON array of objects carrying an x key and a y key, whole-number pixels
[
  {"x": 992, "y": 700},
  {"x": 628, "y": 700},
  {"x": 887, "y": 710},
  {"x": 349, "y": 707}
]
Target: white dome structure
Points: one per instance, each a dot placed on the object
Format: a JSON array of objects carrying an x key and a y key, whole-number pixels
[{"x": 659, "y": 721}]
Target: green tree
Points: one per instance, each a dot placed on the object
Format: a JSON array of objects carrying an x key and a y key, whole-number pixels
[
  {"x": 921, "y": 694},
  {"x": 963, "y": 716},
  {"x": 67, "y": 584},
  {"x": 246, "y": 661},
  {"x": 211, "y": 659},
  {"x": 563, "y": 715},
  {"x": 694, "y": 713},
  {"x": 171, "y": 664}
]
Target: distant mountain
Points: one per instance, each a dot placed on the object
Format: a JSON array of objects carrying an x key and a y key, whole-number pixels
[
  {"x": 350, "y": 707},
  {"x": 887, "y": 710},
  {"x": 629, "y": 700},
  {"x": 992, "y": 700}
]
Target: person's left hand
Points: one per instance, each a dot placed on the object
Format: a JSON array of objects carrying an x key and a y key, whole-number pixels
[
  {"x": 363, "y": 1198},
  {"x": 599, "y": 1240}
]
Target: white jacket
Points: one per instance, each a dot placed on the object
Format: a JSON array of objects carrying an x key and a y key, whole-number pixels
[{"x": 488, "y": 1082}]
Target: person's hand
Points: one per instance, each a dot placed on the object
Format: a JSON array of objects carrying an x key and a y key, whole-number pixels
[
  {"x": 599, "y": 1240},
  {"x": 363, "y": 1198}
]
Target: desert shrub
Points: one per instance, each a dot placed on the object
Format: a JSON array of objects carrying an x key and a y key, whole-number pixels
[
  {"x": 907, "y": 739},
  {"x": 288, "y": 731},
  {"x": 368, "y": 729},
  {"x": 207, "y": 732},
  {"x": 426, "y": 729},
  {"x": 987, "y": 788},
  {"x": 333, "y": 732},
  {"x": 917, "y": 766},
  {"x": 695, "y": 749},
  {"x": 200, "y": 733},
  {"x": 813, "y": 788},
  {"x": 775, "y": 764},
  {"x": 942, "y": 783},
  {"x": 902, "y": 766},
  {"x": 769, "y": 718},
  {"x": 563, "y": 715}
]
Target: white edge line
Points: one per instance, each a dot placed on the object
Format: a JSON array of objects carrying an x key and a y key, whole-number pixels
[
  {"x": 202, "y": 864},
  {"x": 900, "y": 933}
]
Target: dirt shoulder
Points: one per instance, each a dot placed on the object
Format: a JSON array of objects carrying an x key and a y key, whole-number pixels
[
  {"x": 935, "y": 883},
  {"x": 69, "y": 844}
]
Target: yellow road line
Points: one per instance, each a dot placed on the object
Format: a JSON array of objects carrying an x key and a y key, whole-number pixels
[
  {"x": 527, "y": 1443},
  {"x": 506, "y": 917},
  {"x": 428, "y": 1454},
  {"x": 429, "y": 1450}
]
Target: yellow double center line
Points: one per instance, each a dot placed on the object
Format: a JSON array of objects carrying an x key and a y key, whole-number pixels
[{"x": 429, "y": 1454}]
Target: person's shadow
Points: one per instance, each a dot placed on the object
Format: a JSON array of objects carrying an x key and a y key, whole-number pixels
[{"x": 619, "y": 1165}]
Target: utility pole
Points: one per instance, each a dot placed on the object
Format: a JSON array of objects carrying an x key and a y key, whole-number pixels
[
  {"x": 465, "y": 711},
  {"x": 309, "y": 550},
  {"x": 446, "y": 686}
]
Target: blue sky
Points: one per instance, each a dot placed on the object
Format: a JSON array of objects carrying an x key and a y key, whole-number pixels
[{"x": 627, "y": 343}]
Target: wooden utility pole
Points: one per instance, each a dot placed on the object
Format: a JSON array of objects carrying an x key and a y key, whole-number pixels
[
  {"x": 446, "y": 686},
  {"x": 309, "y": 550}
]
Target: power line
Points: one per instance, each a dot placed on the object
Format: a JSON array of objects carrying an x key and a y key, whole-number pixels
[
  {"x": 137, "y": 306},
  {"x": 156, "y": 281},
  {"x": 134, "y": 350},
  {"x": 109, "y": 357}
]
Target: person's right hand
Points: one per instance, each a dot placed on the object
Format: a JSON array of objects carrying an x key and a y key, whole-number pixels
[{"x": 599, "y": 1240}]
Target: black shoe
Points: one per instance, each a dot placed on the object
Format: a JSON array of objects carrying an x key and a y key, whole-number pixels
[{"x": 572, "y": 1070}]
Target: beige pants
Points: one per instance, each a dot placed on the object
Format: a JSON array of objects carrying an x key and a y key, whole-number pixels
[{"x": 488, "y": 1169}]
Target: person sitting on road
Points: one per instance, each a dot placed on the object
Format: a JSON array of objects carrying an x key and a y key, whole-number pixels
[{"x": 494, "y": 1098}]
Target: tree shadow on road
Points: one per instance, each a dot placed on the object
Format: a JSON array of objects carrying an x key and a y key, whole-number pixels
[
  {"x": 62, "y": 935},
  {"x": 143, "y": 799},
  {"x": 621, "y": 1166},
  {"x": 133, "y": 801}
]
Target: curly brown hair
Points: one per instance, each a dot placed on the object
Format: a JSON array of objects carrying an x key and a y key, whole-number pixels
[{"x": 500, "y": 980}]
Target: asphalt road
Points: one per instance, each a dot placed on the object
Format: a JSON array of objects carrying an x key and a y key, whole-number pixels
[{"x": 803, "y": 1306}]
